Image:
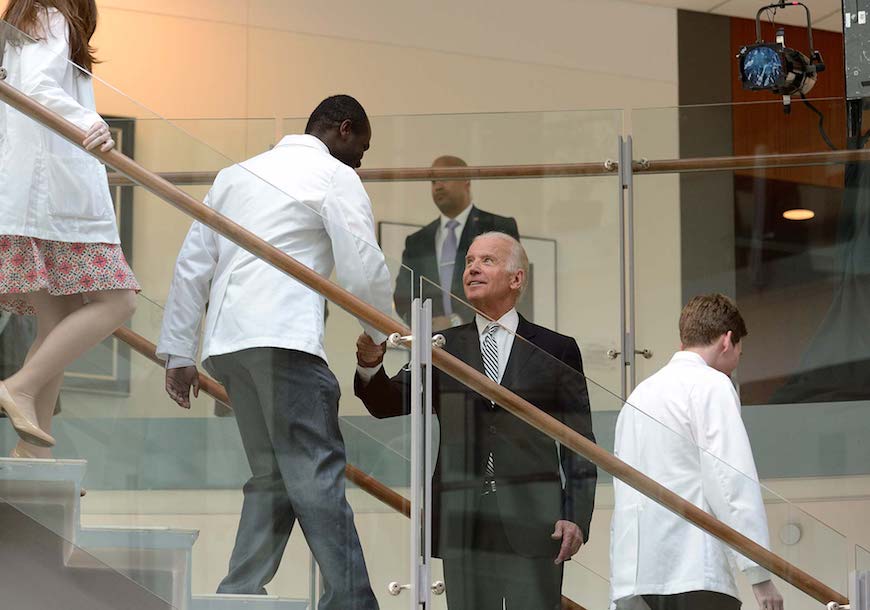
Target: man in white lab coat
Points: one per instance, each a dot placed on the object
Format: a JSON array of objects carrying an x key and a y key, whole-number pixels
[
  {"x": 658, "y": 560},
  {"x": 263, "y": 340}
]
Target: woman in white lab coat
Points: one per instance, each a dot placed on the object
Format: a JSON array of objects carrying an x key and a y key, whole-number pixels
[{"x": 60, "y": 254}]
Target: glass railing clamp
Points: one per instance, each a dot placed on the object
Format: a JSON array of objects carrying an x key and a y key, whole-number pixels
[{"x": 397, "y": 340}]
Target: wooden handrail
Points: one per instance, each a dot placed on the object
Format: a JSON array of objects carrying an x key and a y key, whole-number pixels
[
  {"x": 561, "y": 170},
  {"x": 712, "y": 164},
  {"x": 441, "y": 359},
  {"x": 422, "y": 174},
  {"x": 366, "y": 482}
]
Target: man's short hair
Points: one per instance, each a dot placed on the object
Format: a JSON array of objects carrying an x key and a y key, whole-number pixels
[
  {"x": 707, "y": 317},
  {"x": 450, "y": 161},
  {"x": 333, "y": 111},
  {"x": 518, "y": 258}
]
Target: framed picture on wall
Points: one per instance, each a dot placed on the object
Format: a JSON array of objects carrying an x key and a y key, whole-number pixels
[
  {"x": 539, "y": 303},
  {"x": 106, "y": 368}
]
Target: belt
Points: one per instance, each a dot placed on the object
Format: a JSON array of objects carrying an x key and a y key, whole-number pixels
[{"x": 503, "y": 481}]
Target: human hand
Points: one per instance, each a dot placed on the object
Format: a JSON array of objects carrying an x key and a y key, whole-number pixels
[
  {"x": 178, "y": 384},
  {"x": 99, "y": 135},
  {"x": 572, "y": 539},
  {"x": 767, "y": 596},
  {"x": 368, "y": 353}
]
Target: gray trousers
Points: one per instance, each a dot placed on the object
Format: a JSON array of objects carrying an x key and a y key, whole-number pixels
[{"x": 286, "y": 406}]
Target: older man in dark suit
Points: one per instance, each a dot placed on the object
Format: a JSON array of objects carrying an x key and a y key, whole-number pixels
[
  {"x": 436, "y": 251},
  {"x": 510, "y": 505}
]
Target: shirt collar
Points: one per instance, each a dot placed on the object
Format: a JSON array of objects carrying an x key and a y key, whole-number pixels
[
  {"x": 508, "y": 321},
  {"x": 687, "y": 356},
  {"x": 304, "y": 140},
  {"x": 461, "y": 218}
]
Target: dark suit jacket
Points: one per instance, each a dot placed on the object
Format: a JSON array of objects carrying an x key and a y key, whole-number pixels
[
  {"x": 419, "y": 256},
  {"x": 530, "y": 494}
]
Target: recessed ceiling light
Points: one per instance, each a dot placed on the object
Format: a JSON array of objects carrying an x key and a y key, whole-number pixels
[{"x": 798, "y": 214}]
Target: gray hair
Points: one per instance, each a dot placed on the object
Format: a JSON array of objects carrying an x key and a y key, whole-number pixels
[{"x": 518, "y": 258}]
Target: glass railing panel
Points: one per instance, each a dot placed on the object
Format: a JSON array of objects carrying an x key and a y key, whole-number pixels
[
  {"x": 781, "y": 241},
  {"x": 191, "y": 152},
  {"x": 156, "y": 465},
  {"x": 800, "y": 285},
  {"x": 570, "y": 225},
  {"x": 862, "y": 559},
  {"x": 167, "y": 467},
  {"x": 35, "y": 551},
  {"x": 545, "y": 369}
]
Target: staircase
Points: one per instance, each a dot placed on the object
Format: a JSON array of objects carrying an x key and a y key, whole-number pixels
[{"x": 48, "y": 560}]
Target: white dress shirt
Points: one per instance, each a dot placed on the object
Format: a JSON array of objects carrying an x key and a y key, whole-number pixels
[
  {"x": 441, "y": 233},
  {"x": 303, "y": 201},
  {"x": 685, "y": 406},
  {"x": 49, "y": 188},
  {"x": 504, "y": 336}
]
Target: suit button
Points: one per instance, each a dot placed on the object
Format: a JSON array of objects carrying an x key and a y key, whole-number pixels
[{"x": 492, "y": 429}]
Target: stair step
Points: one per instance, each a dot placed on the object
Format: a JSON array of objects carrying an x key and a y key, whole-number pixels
[
  {"x": 47, "y": 491},
  {"x": 34, "y": 574},
  {"x": 157, "y": 558},
  {"x": 247, "y": 602},
  {"x": 137, "y": 537}
]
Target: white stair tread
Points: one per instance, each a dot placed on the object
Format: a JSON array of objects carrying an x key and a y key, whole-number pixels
[
  {"x": 136, "y": 537},
  {"x": 247, "y": 602},
  {"x": 42, "y": 470}
]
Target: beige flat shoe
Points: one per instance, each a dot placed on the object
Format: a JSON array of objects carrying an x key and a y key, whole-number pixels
[
  {"x": 26, "y": 429},
  {"x": 24, "y": 455}
]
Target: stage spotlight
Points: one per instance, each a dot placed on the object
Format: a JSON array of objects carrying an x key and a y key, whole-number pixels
[{"x": 775, "y": 67}]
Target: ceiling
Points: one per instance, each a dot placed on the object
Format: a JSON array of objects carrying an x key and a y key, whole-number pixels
[{"x": 826, "y": 14}]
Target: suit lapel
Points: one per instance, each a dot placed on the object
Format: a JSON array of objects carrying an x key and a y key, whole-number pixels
[
  {"x": 467, "y": 347},
  {"x": 428, "y": 266},
  {"x": 522, "y": 349}
]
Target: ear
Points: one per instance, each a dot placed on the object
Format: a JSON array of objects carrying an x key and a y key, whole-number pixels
[
  {"x": 727, "y": 341},
  {"x": 345, "y": 128},
  {"x": 518, "y": 279}
]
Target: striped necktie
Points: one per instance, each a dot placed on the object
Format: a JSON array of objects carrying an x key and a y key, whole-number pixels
[
  {"x": 490, "y": 365},
  {"x": 448, "y": 264},
  {"x": 490, "y": 352}
]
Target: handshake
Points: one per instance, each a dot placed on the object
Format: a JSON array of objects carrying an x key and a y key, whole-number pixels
[{"x": 368, "y": 353}]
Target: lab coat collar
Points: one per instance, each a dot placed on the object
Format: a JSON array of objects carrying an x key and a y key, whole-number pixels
[
  {"x": 686, "y": 356},
  {"x": 304, "y": 140}
]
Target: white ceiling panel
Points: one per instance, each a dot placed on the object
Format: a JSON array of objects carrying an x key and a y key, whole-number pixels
[
  {"x": 826, "y": 14},
  {"x": 702, "y": 6},
  {"x": 793, "y": 15},
  {"x": 834, "y": 23}
]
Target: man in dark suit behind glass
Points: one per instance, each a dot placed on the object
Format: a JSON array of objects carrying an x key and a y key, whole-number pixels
[
  {"x": 509, "y": 505},
  {"x": 437, "y": 251}
]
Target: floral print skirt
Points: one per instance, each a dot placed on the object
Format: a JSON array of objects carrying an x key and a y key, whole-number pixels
[{"x": 61, "y": 268}]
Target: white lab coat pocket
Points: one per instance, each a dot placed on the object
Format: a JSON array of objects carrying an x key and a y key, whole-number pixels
[{"x": 76, "y": 187}]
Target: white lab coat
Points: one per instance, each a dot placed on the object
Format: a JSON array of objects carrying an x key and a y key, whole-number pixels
[
  {"x": 49, "y": 188},
  {"x": 682, "y": 427},
  {"x": 303, "y": 201}
]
